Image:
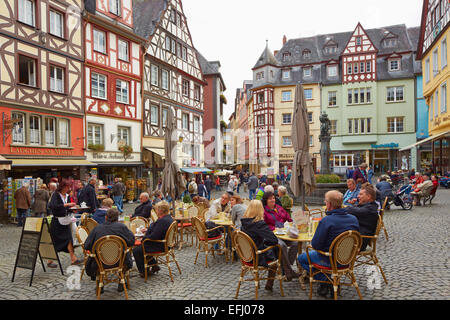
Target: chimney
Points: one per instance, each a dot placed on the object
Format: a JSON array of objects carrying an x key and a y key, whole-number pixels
[
  {"x": 275, "y": 52},
  {"x": 284, "y": 40}
]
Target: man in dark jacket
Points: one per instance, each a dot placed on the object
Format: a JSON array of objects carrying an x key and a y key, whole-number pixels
[
  {"x": 332, "y": 225},
  {"x": 117, "y": 192},
  {"x": 145, "y": 208},
  {"x": 367, "y": 213},
  {"x": 156, "y": 231},
  {"x": 209, "y": 186},
  {"x": 89, "y": 196},
  {"x": 110, "y": 228},
  {"x": 385, "y": 190},
  {"x": 252, "y": 185}
]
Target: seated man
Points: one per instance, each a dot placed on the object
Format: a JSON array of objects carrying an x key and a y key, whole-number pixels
[
  {"x": 218, "y": 206},
  {"x": 145, "y": 208},
  {"x": 366, "y": 212},
  {"x": 158, "y": 196},
  {"x": 111, "y": 227},
  {"x": 351, "y": 195},
  {"x": 422, "y": 190},
  {"x": 156, "y": 231},
  {"x": 384, "y": 188},
  {"x": 333, "y": 224},
  {"x": 100, "y": 213}
]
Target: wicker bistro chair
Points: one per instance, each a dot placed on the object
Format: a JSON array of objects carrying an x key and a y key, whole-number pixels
[
  {"x": 381, "y": 213},
  {"x": 249, "y": 256},
  {"x": 153, "y": 215},
  {"x": 369, "y": 256},
  {"x": 82, "y": 233},
  {"x": 429, "y": 197},
  {"x": 314, "y": 212},
  {"x": 90, "y": 224},
  {"x": 206, "y": 244},
  {"x": 169, "y": 252},
  {"x": 109, "y": 253},
  {"x": 139, "y": 222},
  {"x": 83, "y": 218},
  {"x": 343, "y": 251}
]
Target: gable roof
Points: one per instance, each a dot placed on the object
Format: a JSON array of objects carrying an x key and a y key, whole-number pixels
[
  {"x": 266, "y": 58},
  {"x": 146, "y": 16}
]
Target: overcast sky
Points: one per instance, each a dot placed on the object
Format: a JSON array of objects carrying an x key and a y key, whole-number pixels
[{"x": 235, "y": 31}]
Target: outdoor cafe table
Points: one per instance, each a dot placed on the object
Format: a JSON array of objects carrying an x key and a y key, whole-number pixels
[
  {"x": 182, "y": 220},
  {"x": 227, "y": 224}
]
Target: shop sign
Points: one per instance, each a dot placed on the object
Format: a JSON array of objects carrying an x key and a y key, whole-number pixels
[
  {"x": 110, "y": 156},
  {"x": 40, "y": 151},
  {"x": 385, "y": 146},
  {"x": 286, "y": 156}
]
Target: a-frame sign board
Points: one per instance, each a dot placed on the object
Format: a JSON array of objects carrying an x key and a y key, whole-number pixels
[{"x": 35, "y": 240}]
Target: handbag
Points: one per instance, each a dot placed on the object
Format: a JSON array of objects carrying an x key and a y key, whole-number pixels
[{"x": 292, "y": 232}]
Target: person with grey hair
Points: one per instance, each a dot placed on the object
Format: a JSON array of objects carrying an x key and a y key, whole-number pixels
[
  {"x": 89, "y": 196},
  {"x": 23, "y": 203},
  {"x": 286, "y": 201},
  {"x": 145, "y": 208}
]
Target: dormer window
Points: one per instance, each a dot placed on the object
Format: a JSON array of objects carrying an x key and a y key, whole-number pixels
[
  {"x": 307, "y": 72},
  {"x": 286, "y": 55},
  {"x": 330, "y": 49},
  {"x": 306, "y": 54},
  {"x": 394, "y": 64},
  {"x": 286, "y": 74},
  {"x": 390, "y": 42},
  {"x": 260, "y": 75},
  {"x": 332, "y": 70},
  {"x": 114, "y": 7}
]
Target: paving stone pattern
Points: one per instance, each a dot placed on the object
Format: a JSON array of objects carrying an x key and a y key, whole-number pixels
[{"x": 415, "y": 260}]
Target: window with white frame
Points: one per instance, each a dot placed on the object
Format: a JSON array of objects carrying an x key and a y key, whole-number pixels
[
  {"x": 122, "y": 91},
  {"x": 98, "y": 86},
  {"x": 123, "y": 50},
  {"x": 287, "y": 118},
  {"x": 154, "y": 70},
  {"x": 196, "y": 124},
  {"x": 95, "y": 134},
  {"x": 99, "y": 41},
  {"x": 343, "y": 160},
  {"x": 197, "y": 91},
  {"x": 349, "y": 68},
  {"x": 56, "y": 79},
  {"x": 63, "y": 130},
  {"x": 164, "y": 79},
  {"x": 359, "y": 125},
  {"x": 435, "y": 62},
  {"x": 186, "y": 89},
  {"x": 444, "y": 98},
  {"x": 56, "y": 23},
  {"x": 165, "y": 113},
  {"x": 286, "y": 74},
  {"x": 355, "y": 68},
  {"x": 394, "y": 64},
  {"x": 362, "y": 67},
  {"x": 261, "y": 97},
  {"x": 310, "y": 117},
  {"x": 123, "y": 135},
  {"x": 395, "y": 94},
  {"x": 369, "y": 66},
  {"x": 168, "y": 43},
  {"x": 184, "y": 53},
  {"x": 430, "y": 111},
  {"x": 173, "y": 46},
  {"x": 306, "y": 54},
  {"x": 27, "y": 71},
  {"x": 359, "y": 96},
  {"x": 395, "y": 124},
  {"x": 307, "y": 72},
  {"x": 154, "y": 115},
  {"x": 332, "y": 98},
  {"x": 261, "y": 120},
  {"x": 287, "y": 142},
  {"x": 436, "y": 103},
  {"x": 18, "y": 127},
  {"x": 50, "y": 131},
  {"x": 427, "y": 70},
  {"x": 311, "y": 140},
  {"x": 185, "y": 121},
  {"x": 35, "y": 130},
  {"x": 333, "y": 127},
  {"x": 444, "y": 53},
  {"x": 332, "y": 71},
  {"x": 308, "y": 94},
  {"x": 26, "y": 12},
  {"x": 114, "y": 7},
  {"x": 286, "y": 96}
]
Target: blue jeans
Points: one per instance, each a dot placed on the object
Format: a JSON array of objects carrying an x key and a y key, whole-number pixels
[
  {"x": 315, "y": 258},
  {"x": 118, "y": 200},
  {"x": 251, "y": 194},
  {"x": 208, "y": 195},
  {"x": 21, "y": 216}
]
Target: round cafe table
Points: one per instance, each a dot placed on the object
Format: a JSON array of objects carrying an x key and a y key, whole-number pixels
[{"x": 227, "y": 224}]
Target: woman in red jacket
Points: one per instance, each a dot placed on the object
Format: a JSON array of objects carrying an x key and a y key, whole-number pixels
[{"x": 275, "y": 217}]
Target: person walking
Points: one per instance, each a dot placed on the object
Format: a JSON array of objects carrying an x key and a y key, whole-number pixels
[
  {"x": 118, "y": 190},
  {"x": 41, "y": 198},
  {"x": 89, "y": 196},
  {"x": 23, "y": 203},
  {"x": 201, "y": 189},
  {"x": 252, "y": 185},
  {"x": 218, "y": 183},
  {"x": 209, "y": 186}
]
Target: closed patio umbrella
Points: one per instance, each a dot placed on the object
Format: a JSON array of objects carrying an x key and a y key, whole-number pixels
[
  {"x": 172, "y": 180},
  {"x": 303, "y": 179}
]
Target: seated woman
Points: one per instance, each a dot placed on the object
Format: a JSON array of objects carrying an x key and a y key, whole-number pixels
[
  {"x": 100, "y": 213},
  {"x": 254, "y": 226},
  {"x": 237, "y": 210},
  {"x": 275, "y": 217},
  {"x": 286, "y": 201}
]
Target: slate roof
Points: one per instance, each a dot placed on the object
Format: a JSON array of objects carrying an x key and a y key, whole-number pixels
[
  {"x": 146, "y": 15},
  {"x": 208, "y": 67},
  {"x": 266, "y": 58}
]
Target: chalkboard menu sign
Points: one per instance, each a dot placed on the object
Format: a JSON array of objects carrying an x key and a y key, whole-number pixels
[{"x": 35, "y": 240}]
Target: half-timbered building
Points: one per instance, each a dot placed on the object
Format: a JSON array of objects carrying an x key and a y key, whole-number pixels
[
  {"x": 113, "y": 76},
  {"x": 41, "y": 87},
  {"x": 173, "y": 81}
]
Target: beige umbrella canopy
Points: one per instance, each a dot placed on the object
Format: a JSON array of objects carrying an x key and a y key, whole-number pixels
[
  {"x": 172, "y": 181},
  {"x": 302, "y": 169}
]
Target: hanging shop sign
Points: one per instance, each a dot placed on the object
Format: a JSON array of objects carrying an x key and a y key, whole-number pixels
[{"x": 385, "y": 146}]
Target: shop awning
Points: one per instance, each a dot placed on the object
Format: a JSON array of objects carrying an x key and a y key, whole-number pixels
[
  {"x": 196, "y": 170},
  {"x": 5, "y": 164},
  {"x": 157, "y": 151},
  {"x": 424, "y": 141},
  {"x": 50, "y": 163}
]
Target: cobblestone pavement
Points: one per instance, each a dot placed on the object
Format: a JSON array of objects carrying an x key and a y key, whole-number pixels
[{"x": 415, "y": 260}]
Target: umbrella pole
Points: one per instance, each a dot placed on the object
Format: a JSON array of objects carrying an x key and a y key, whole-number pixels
[{"x": 302, "y": 188}]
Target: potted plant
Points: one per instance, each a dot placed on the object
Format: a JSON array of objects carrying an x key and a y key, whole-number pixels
[
  {"x": 96, "y": 147},
  {"x": 126, "y": 150}
]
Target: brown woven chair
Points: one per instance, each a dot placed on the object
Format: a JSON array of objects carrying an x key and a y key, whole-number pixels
[
  {"x": 249, "y": 256},
  {"x": 315, "y": 212},
  {"x": 206, "y": 244},
  {"x": 109, "y": 253},
  {"x": 153, "y": 215},
  {"x": 82, "y": 233},
  {"x": 369, "y": 256},
  {"x": 430, "y": 196},
  {"x": 139, "y": 222},
  {"x": 90, "y": 224},
  {"x": 381, "y": 213},
  {"x": 343, "y": 251},
  {"x": 169, "y": 252}
]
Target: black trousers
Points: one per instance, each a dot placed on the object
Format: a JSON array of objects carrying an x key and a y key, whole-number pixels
[{"x": 139, "y": 259}]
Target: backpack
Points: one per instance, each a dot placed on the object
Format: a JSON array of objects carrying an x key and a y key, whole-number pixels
[{"x": 191, "y": 188}]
